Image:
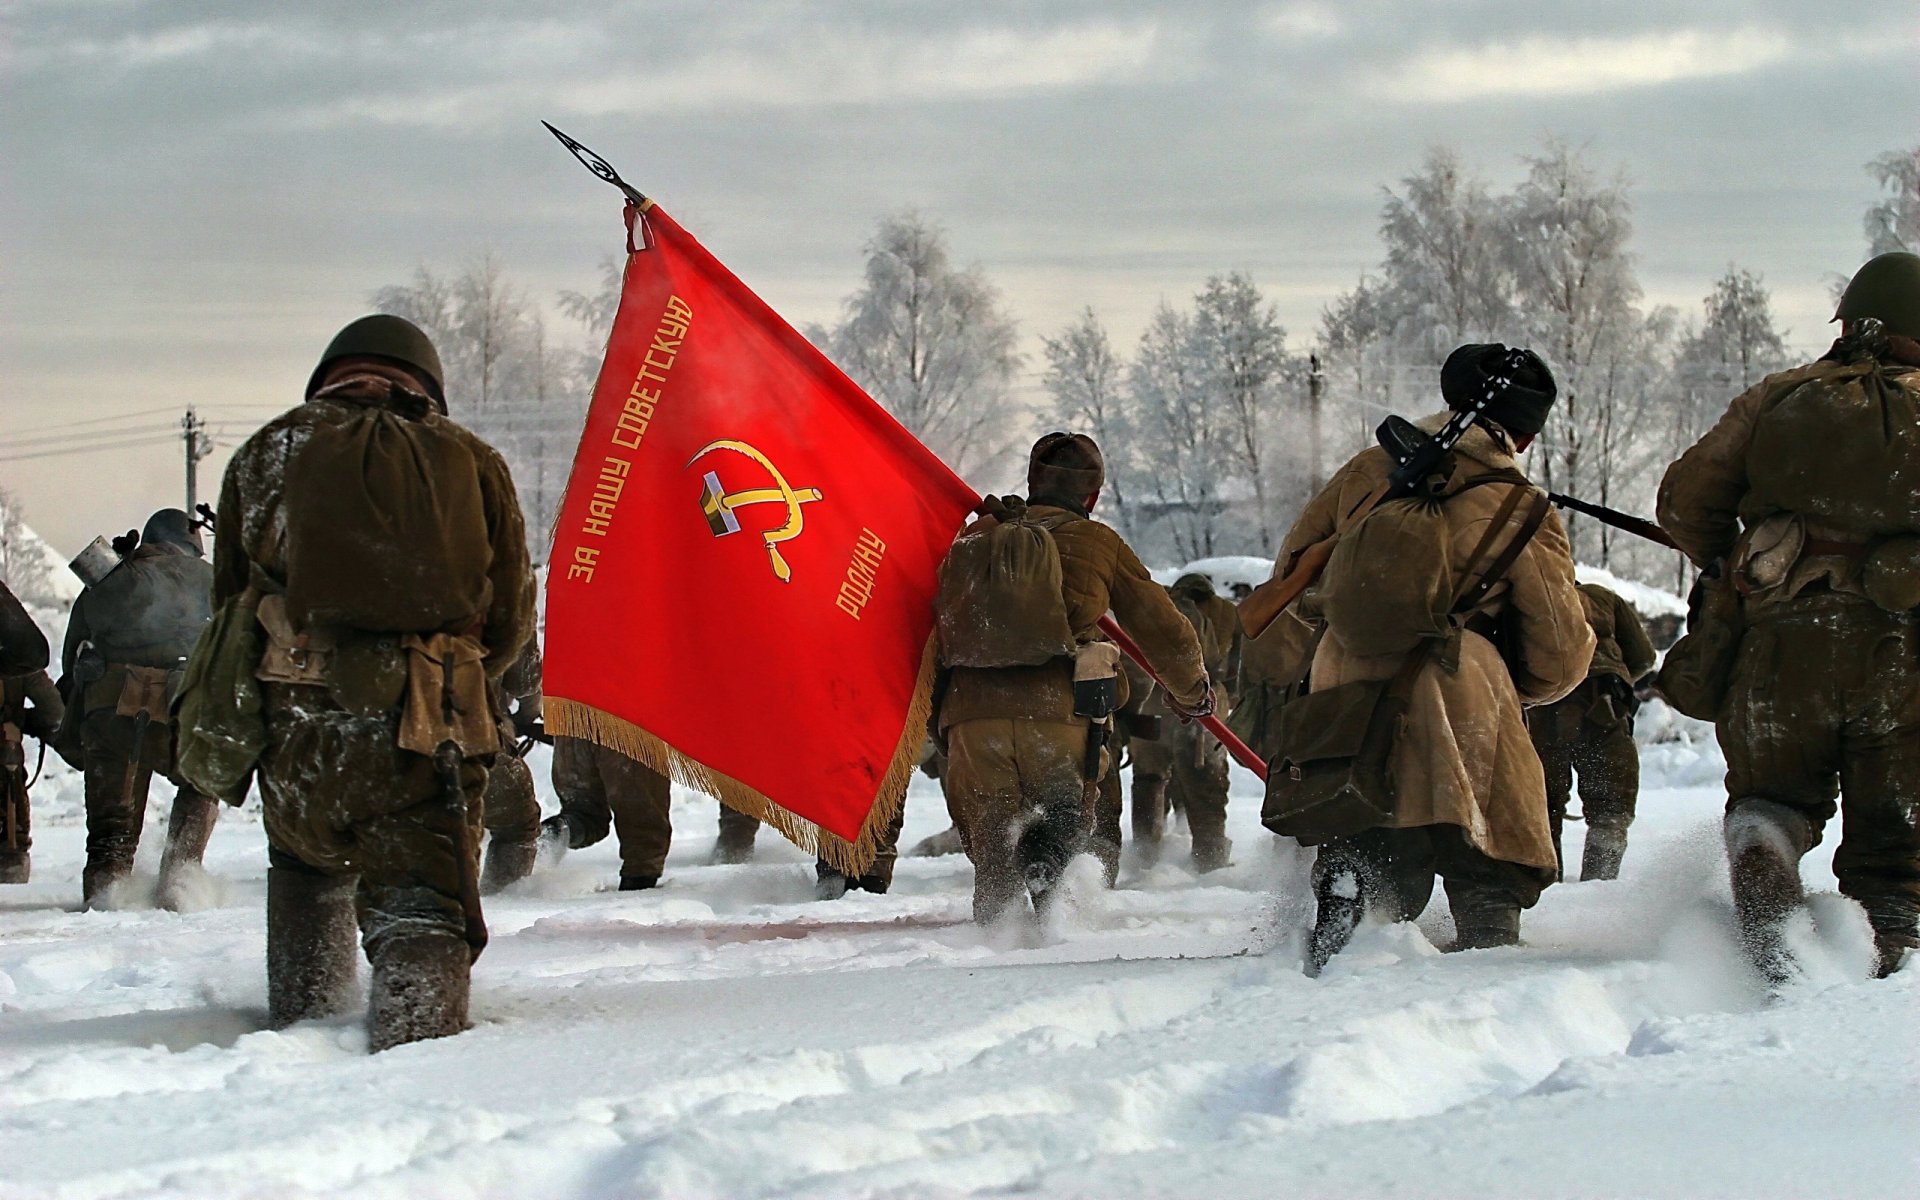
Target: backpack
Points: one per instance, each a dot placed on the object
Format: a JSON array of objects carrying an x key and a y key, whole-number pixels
[
  {"x": 1389, "y": 585},
  {"x": 1843, "y": 446},
  {"x": 386, "y": 528},
  {"x": 1001, "y": 599}
]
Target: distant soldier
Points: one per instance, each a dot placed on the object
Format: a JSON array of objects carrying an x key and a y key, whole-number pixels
[
  {"x": 1186, "y": 768},
  {"x": 1031, "y": 681},
  {"x": 29, "y": 707},
  {"x": 1468, "y": 797},
  {"x": 1800, "y": 504},
  {"x": 127, "y": 642},
  {"x": 1591, "y": 732},
  {"x": 602, "y": 790},
  {"x": 388, "y": 557},
  {"x": 512, "y": 816},
  {"x": 23, "y": 648}
]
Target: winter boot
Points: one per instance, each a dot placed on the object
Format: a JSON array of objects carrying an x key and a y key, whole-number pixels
[
  {"x": 1606, "y": 846},
  {"x": 507, "y": 862},
  {"x": 1212, "y": 856},
  {"x": 638, "y": 883},
  {"x": 313, "y": 957},
  {"x": 420, "y": 985},
  {"x": 1338, "y": 905},
  {"x": 1890, "y": 950},
  {"x": 1763, "y": 856},
  {"x": 1483, "y": 919},
  {"x": 829, "y": 884},
  {"x": 16, "y": 866},
  {"x": 99, "y": 878},
  {"x": 189, "y": 829}
]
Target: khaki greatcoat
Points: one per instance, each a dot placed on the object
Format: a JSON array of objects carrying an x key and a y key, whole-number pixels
[{"x": 1464, "y": 757}]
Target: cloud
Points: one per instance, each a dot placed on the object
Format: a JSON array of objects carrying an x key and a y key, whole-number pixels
[
  {"x": 1301, "y": 20},
  {"x": 799, "y": 70},
  {"x": 1563, "y": 66}
]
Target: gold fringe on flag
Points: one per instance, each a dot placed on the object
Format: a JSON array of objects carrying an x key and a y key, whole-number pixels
[{"x": 571, "y": 718}]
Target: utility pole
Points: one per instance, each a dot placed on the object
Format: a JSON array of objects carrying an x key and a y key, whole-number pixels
[
  {"x": 1316, "y": 388},
  {"x": 193, "y": 431}
]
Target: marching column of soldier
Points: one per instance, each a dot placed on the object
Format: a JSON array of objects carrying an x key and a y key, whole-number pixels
[{"x": 1426, "y": 677}]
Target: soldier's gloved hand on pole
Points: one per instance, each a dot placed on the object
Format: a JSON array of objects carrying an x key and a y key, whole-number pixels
[{"x": 1203, "y": 709}]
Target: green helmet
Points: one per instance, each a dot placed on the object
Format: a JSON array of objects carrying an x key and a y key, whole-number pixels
[
  {"x": 1886, "y": 289},
  {"x": 389, "y": 337}
]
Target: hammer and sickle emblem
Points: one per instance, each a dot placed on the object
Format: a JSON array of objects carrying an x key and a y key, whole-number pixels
[{"x": 720, "y": 506}]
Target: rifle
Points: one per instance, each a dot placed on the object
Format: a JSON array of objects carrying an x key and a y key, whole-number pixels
[
  {"x": 1626, "y": 522},
  {"x": 530, "y": 732},
  {"x": 1416, "y": 457}
]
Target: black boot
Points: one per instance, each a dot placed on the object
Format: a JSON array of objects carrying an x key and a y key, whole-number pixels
[
  {"x": 507, "y": 863},
  {"x": 1338, "y": 905},
  {"x": 99, "y": 878},
  {"x": 638, "y": 883},
  {"x": 16, "y": 866},
  {"x": 1605, "y": 847},
  {"x": 420, "y": 985},
  {"x": 1764, "y": 861},
  {"x": 313, "y": 958},
  {"x": 189, "y": 829},
  {"x": 829, "y": 884}
]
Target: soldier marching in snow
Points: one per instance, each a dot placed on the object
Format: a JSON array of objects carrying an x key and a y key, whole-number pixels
[
  {"x": 1186, "y": 767},
  {"x": 1443, "y": 613},
  {"x": 1591, "y": 732},
  {"x": 127, "y": 642},
  {"x": 30, "y": 706},
  {"x": 383, "y": 550},
  {"x": 1804, "y": 649},
  {"x": 1030, "y": 680},
  {"x": 603, "y": 790}
]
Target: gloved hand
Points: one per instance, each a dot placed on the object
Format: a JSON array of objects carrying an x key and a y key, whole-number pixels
[{"x": 1203, "y": 709}]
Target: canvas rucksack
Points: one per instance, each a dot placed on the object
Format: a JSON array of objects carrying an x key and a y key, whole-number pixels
[
  {"x": 1001, "y": 599},
  {"x": 1389, "y": 585},
  {"x": 1844, "y": 447},
  {"x": 386, "y": 528}
]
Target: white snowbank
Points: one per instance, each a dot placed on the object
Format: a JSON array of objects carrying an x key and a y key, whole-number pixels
[{"x": 1647, "y": 600}]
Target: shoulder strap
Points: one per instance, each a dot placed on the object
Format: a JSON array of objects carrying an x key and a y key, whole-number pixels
[{"x": 1497, "y": 570}]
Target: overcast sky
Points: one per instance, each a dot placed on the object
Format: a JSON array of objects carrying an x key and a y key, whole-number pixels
[{"x": 196, "y": 194}]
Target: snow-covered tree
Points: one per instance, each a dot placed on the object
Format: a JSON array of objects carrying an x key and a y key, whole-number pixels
[
  {"x": 1893, "y": 223},
  {"x": 1185, "y": 436},
  {"x": 1243, "y": 349},
  {"x": 1576, "y": 290},
  {"x": 932, "y": 343},
  {"x": 24, "y": 565},
  {"x": 1446, "y": 278},
  {"x": 1085, "y": 383}
]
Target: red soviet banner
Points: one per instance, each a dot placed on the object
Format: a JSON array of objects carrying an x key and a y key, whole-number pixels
[{"x": 741, "y": 587}]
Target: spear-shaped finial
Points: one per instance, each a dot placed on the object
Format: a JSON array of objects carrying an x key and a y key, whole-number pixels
[{"x": 601, "y": 167}]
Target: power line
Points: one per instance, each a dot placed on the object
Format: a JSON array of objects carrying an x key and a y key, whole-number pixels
[
  {"x": 147, "y": 440},
  {"x": 81, "y": 437},
  {"x": 145, "y": 412}
]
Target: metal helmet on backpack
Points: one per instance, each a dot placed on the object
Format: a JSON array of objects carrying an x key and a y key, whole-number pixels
[
  {"x": 395, "y": 339},
  {"x": 1886, "y": 289}
]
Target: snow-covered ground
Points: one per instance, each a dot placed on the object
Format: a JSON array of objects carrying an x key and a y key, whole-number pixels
[{"x": 727, "y": 1036}]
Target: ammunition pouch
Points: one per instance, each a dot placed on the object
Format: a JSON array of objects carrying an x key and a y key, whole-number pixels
[
  {"x": 447, "y": 697},
  {"x": 146, "y": 692}
]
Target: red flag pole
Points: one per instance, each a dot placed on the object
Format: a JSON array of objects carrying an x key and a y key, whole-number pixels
[{"x": 1242, "y": 753}]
